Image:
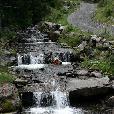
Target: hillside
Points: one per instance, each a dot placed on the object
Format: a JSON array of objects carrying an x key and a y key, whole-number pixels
[{"x": 105, "y": 11}]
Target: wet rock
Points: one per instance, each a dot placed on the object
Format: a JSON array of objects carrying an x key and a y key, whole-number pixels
[
  {"x": 88, "y": 87},
  {"x": 46, "y": 99},
  {"x": 110, "y": 101},
  {"x": 27, "y": 99},
  {"x": 20, "y": 82},
  {"x": 82, "y": 72}
]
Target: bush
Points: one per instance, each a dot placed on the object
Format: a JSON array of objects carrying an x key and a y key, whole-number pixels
[
  {"x": 7, "y": 106},
  {"x": 101, "y": 65},
  {"x": 6, "y": 77}
]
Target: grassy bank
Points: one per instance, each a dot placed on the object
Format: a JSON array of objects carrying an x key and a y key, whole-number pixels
[
  {"x": 105, "y": 12},
  {"x": 5, "y": 76},
  {"x": 71, "y": 35}
]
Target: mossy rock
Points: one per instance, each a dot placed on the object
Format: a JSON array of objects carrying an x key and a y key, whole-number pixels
[{"x": 7, "y": 106}]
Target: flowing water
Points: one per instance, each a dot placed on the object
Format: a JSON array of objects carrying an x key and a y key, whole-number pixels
[
  {"x": 39, "y": 55},
  {"x": 55, "y": 102}
]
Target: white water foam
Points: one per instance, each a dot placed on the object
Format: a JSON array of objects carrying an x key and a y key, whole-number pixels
[
  {"x": 61, "y": 106},
  {"x": 49, "y": 110},
  {"x": 31, "y": 66},
  {"x": 66, "y": 63}
]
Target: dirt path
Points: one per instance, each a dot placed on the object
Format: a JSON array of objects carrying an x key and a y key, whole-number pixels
[{"x": 82, "y": 18}]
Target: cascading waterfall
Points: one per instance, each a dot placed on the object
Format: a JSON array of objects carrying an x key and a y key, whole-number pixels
[
  {"x": 57, "y": 104},
  {"x": 19, "y": 57},
  {"x": 37, "y": 59},
  {"x": 54, "y": 101}
]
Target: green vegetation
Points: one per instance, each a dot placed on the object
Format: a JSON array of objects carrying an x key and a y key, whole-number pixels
[
  {"x": 7, "y": 37},
  {"x": 71, "y": 35},
  {"x": 105, "y": 11},
  {"x": 22, "y": 14},
  {"x": 102, "y": 60},
  {"x": 60, "y": 14},
  {"x": 5, "y": 76},
  {"x": 102, "y": 65},
  {"x": 7, "y": 106}
]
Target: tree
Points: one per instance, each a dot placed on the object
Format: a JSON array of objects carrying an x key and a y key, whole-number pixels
[{"x": 23, "y": 13}]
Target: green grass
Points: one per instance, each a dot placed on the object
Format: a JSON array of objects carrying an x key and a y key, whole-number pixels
[
  {"x": 7, "y": 106},
  {"x": 102, "y": 60},
  {"x": 73, "y": 36},
  {"x": 60, "y": 16},
  {"x": 102, "y": 65},
  {"x": 105, "y": 12},
  {"x": 5, "y": 76}
]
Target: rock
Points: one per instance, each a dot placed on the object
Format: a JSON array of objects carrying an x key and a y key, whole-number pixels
[
  {"x": 49, "y": 24},
  {"x": 9, "y": 98},
  {"x": 110, "y": 101},
  {"x": 82, "y": 46},
  {"x": 96, "y": 74},
  {"x": 82, "y": 72},
  {"x": 62, "y": 28},
  {"x": 53, "y": 36},
  {"x": 97, "y": 39},
  {"x": 20, "y": 83},
  {"x": 88, "y": 87},
  {"x": 7, "y": 90}
]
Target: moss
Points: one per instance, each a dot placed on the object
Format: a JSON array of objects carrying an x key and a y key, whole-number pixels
[
  {"x": 7, "y": 106},
  {"x": 105, "y": 12},
  {"x": 5, "y": 76}
]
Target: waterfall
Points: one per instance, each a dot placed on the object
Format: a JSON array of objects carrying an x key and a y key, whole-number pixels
[
  {"x": 30, "y": 61},
  {"x": 61, "y": 99},
  {"x": 38, "y": 59},
  {"x": 56, "y": 103},
  {"x": 55, "y": 99},
  {"x": 19, "y": 59}
]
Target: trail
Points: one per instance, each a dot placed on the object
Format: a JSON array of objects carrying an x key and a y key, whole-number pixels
[{"x": 83, "y": 18}]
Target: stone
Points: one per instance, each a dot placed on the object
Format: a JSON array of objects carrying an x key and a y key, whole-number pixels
[
  {"x": 62, "y": 28},
  {"x": 110, "y": 101},
  {"x": 20, "y": 83},
  {"x": 9, "y": 98},
  {"x": 82, "y": 46},
  {"x": 96, "y": 74},
  {"x": 88, "y": 87},
  {"x": 7, "y": 90},
  {"x": 82, "y": 72}
]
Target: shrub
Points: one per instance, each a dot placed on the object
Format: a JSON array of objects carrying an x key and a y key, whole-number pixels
[{"x": 7, "y": 106}]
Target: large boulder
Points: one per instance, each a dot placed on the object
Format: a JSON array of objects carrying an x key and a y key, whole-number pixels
[
  {"x": 9, "y": 98},
  {"x": 88, "y": 87},
  {"x": 110, "y": 101}
]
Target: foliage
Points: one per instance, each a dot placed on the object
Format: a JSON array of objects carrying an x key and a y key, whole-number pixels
[
  {"x": 7, "y": 106},
  {"x": 5, "y": 76},
  {"x": 73, "y": 36},
  {"x": 101, "y": 65},
  {"x": 105, "y": 11},
  {"x": 23, "y": 13},
  {"x": 103, "y": 61}
]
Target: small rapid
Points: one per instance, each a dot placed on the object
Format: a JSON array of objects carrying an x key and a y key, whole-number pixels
[{"x": 55, "y": 102}]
